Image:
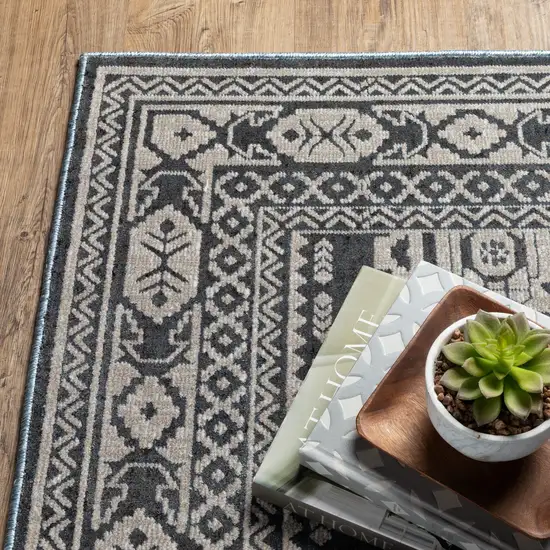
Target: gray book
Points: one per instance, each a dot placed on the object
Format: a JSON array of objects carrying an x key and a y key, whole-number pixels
[
  {"x": 335, "y": 450},
  {"x": 280, "y": 479}
]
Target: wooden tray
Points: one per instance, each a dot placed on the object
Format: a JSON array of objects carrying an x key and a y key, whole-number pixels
[{"x": 396, "y": 421}]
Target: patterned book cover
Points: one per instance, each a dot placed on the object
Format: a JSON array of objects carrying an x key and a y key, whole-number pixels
[
  {"x": 282, "y": 481},
  {"x": 335, "y": 450}
]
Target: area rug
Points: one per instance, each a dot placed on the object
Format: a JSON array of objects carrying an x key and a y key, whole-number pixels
[{"x": 213, "y": 211}]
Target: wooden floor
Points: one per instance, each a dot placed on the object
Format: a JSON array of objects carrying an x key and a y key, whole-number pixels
[{"x": 40, "y": 41}]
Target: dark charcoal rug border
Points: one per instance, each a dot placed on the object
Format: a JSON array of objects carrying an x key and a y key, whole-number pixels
[
  {"x": 455, "y": 58},
  {"x": 67, "y": 191},
  {"x": 49, "y": 296}
]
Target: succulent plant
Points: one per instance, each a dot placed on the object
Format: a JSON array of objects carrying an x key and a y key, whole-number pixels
[{"x": 500, "y": 359}]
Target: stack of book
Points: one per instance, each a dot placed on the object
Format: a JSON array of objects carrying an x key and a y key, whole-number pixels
[{"x": 319, "y": 467}]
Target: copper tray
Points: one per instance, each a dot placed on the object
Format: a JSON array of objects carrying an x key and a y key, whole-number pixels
[{"x": 396, "y": 421}]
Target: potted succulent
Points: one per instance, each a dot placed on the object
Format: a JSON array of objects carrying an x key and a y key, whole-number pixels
[{"x": 488, "y": 386}]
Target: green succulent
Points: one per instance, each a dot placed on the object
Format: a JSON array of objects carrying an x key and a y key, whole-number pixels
[{"x": 499, "y": 359}]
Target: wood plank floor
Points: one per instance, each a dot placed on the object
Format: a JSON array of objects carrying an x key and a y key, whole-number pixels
[{"x": 40, "y": 42}]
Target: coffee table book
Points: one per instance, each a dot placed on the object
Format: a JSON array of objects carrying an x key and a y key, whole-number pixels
[
  {"x": 334, "y": 448},
  {"x": 280, "y": 479}
]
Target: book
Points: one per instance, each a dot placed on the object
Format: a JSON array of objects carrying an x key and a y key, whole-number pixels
[
  {"x": 280, "y": 479},
  {"x": 335, "y": 450}
]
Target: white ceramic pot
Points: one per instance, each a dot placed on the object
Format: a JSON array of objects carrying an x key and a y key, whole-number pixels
[{"x": 484, "y": 447}]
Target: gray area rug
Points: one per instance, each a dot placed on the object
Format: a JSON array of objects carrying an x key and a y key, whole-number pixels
[{"x": 212, "y": 214}]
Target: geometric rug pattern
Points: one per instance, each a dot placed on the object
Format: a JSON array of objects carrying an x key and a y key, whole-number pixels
[{"x": 213, "y": 212}]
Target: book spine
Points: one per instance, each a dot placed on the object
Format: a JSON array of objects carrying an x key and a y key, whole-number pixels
[
  {"x": 387, "y": 541},
  {"x": 429, "y": 520}
]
